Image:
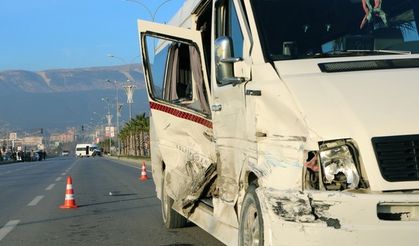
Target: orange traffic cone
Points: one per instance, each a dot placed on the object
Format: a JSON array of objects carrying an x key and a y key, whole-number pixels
[
  {"x": 69, "y": 201},
  {"x": 143, "y": 176}
]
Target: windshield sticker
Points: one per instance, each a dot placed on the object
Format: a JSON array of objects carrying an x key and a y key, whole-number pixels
[{"x": 371, "y": 11}]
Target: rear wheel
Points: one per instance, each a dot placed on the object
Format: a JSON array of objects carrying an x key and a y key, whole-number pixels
[
  {"x": 171, "y": 218},
  {"x": 251, "y": 223}
]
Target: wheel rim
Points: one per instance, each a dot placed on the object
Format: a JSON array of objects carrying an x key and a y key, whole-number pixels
[{"x": 251, "y": 226}]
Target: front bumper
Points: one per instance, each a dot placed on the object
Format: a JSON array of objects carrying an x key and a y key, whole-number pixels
[{"x": 339, "y": 218}]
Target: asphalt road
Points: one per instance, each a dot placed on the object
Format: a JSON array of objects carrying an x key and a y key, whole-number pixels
[{"x": 31, "y": 193}]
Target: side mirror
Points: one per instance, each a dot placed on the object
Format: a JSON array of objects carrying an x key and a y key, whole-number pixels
[{"x": 224, "y": 62}]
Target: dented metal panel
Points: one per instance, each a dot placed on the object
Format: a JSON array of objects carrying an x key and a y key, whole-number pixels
[{"x": 320, "y": 218}]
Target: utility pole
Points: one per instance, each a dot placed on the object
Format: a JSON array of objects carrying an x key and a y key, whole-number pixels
[
  {"x": 129, "y": 90},
  {"x": 118, "y": 108},
  {"x": 109, "y": 118}
]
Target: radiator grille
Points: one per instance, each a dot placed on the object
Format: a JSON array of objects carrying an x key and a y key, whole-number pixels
[
  {"x": 398, "y": 157},
  {"x": 350, "y": 66}
]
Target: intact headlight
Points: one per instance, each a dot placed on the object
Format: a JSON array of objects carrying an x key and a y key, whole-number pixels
[{"x": 338, "y": 166}]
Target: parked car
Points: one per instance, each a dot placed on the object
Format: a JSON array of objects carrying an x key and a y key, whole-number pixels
[{"x": 97, "y": 152}]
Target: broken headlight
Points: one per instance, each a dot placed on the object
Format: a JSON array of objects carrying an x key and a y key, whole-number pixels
[{"x": 339, "y": 169}]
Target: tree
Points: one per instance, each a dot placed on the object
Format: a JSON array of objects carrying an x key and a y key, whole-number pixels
[
  {"x": 135, "y": 136},
  {"x": 105, "y": 145}
]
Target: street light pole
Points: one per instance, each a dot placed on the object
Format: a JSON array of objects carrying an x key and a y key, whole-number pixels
[
  {"x": 144, "y": 6},
  {"x": 123, "y": 61},
  {"x": 152, "y": 14},
  {"x": 117, "y": 57},
  {"x": 129, "y": 90},
  {"x": 96, "y": 123},
  {"x": 109, "y": 118},
  {"x": 118, "y": 112},
  {"x": 129, "y": 87}
]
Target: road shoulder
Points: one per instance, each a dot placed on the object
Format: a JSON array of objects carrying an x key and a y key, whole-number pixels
[{"x": 129, "y": 161}]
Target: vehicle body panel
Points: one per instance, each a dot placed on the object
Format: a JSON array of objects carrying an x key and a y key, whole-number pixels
[
  {"x": 264, "y": 130},
  {"x": 182, "y": 133}
]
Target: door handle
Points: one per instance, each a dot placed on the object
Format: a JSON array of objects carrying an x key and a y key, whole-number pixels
[{"x": 216, "y": 107}]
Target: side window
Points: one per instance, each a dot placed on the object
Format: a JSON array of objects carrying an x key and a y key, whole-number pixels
[
  {"x": 204, "y": 25},
  {"x": 175, "y": 74},
  {"x": 235, "y": 31},
  {"x": 228, "y": 25}
]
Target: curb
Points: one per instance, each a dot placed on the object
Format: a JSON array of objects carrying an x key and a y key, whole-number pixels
[
  {"x": 9, "y": 162},
  {"x": 130, "y": 161}
]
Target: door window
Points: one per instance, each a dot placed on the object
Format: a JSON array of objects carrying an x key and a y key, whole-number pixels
[
  {"x": 176, "y": 73},
  {"x": 228, "y": 25}
]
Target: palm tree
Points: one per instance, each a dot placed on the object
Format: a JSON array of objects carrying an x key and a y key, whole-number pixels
[
  {"x": 123, "y": 135},
  {"x": 135, "y": 136},
  {"x": 143, "y": 126}
]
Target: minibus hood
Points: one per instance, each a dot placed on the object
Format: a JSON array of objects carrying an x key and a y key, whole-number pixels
[{"x": 345, "y": 104}]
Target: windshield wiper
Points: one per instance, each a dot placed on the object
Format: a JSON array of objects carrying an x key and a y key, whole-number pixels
[{"x": 341, "y": 53}]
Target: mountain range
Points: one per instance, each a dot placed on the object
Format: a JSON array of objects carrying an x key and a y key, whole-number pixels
[{"x": 62, "y": 98}]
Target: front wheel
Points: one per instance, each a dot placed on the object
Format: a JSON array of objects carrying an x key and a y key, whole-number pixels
[
  {"x": 251, "y": 223},
  {"x": 171, "y": 218}
]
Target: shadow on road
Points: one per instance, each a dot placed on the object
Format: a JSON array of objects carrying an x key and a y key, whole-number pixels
[
  {"x": 177, "y": 244},
  {"x": 115, "y": 201}
]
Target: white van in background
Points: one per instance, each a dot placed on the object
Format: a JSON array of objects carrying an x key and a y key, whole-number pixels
[{"x": 85, "y": 150}]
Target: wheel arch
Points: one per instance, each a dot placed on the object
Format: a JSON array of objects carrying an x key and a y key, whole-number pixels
[
  {"x": 252, "y": 178},
  {"x": 248, "y": 178}
]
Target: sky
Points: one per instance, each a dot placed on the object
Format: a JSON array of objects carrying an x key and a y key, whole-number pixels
[{"x": 39, "y": 35}]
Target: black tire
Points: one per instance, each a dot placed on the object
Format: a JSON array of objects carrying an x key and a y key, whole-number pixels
[
  {"x": 251, "y": 221},
  {"x": 171, "y": 218}
]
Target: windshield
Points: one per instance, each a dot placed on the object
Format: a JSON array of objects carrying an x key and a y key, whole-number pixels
[{"x": 334, "y": 28}]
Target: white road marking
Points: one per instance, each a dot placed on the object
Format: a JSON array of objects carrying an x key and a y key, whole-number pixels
[
  {"x": 63, "y": 174},
  {"x": 6, "y": 229},
  {"x": 50, "y": 187},
  {"x": 58, "y": 179},
  {"x": 17, "y": 170},
  {"x": 35, "y": 201}
]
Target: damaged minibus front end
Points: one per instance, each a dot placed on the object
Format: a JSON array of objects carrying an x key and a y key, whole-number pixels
[{"x": 344, "y": 168}]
